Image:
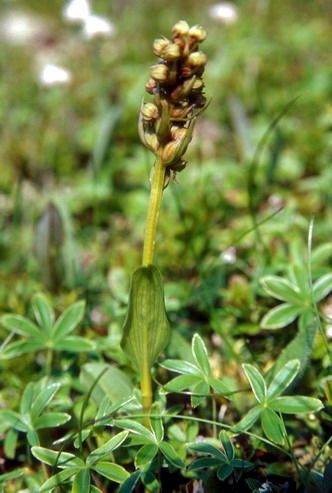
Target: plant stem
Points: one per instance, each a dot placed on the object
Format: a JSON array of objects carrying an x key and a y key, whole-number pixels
[
  {"x": 157, "y": 186},
  {"x": 49, "y": 360}
]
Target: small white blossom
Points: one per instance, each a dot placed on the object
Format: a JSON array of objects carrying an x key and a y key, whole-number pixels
[
  {"x": 76, "y": 10},
  {"x": 229, "y": 255},
  {"x": 97, "y": 26},
  {"x": 225, "y": 12},
  {"x": 20, "y": 28},
  {"x": 54, "y": 75}
]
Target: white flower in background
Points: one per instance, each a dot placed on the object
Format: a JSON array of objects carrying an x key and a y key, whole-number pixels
[
  {"x": 20, "y": 28},
  {"x": 96, "y": 26},
  {"x": 225, "y": 12},
  {"x": 54, "y": 75},
  {"x": 76, "y": 10},
  {"x": 229, "y": 255}
]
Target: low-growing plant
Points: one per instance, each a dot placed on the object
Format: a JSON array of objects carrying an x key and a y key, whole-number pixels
[{"x": 155, "y": 438}]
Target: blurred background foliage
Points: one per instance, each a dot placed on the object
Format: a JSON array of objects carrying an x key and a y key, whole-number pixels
[{"x": 74, "y": 179}]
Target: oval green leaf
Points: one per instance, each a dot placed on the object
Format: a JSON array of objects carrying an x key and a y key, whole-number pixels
[
  {"x": 280, "y": 316},
  {"x": 146, "y": 330},
  {"x": 296, "y": 404}
]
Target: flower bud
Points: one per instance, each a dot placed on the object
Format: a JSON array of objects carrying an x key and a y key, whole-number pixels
[
  {"x": 197, "y": 85},
  {"x": 171, "y": 52},
  {"x": 149, "y": 112},
  {"x": 179, "y": 166},
  {"x": 187, "y": 71},
  {"x": 181, "y": 28},
  {"x": 197, "y": 59},
  {"x": 159, "y": 45},
  {"x": 159, "y": 72},
  {"x": 181, "y": 111},
  {"x": 178, "y": 133},
  {"x": 169, "y": 153},
  {"x": 182, "y": 91},
  {"x": 151, "y": 141},
  {"x": 151, "y": 86},
  {"x": 198, "y": 33}
]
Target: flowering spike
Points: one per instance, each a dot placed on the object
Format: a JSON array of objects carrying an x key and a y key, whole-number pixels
[{"x": 177, "y": 88}]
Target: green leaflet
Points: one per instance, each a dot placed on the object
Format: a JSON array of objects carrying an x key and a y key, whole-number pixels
[
  {"x": 146, "y": 330},
  {"x": 299, "y": 348}
]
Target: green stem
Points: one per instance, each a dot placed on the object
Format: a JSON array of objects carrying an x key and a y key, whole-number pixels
[
  {"x": 157, "y": 187},
  {"x": 49, "y": 361}
]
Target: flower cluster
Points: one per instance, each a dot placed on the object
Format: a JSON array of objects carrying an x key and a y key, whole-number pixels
[{"x": 166, "y": 125}]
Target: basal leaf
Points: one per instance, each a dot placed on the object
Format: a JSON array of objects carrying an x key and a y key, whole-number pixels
[
  {"x": 111, "y": 471},
  {"x": 200, "y": 354},
  {"x": 280, "y": 316},
  {"x": 296, "y": 404},
  {"x": 256, "y": 381},
  {"x": 69, "y": 320},
  {"x": 283, "y": 378},
  {"x": 282, "y": 289},
  {"x": 146, "y": 330}
]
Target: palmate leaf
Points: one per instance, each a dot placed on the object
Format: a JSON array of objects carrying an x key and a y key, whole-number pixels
[{"x": 146, "y": 330}]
